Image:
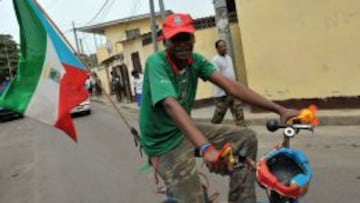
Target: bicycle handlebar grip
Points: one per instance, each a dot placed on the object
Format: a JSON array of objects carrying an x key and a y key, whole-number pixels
[
  {"x": 272, "y": 125},
  {"x": 307, "y": 116}
]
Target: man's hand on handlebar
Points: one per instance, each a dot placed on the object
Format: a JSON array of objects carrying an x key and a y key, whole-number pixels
[
  {"x": 286, "y": 114},
  {"x": 217, "y": 163},
  {"x": 304, "y": 116}
]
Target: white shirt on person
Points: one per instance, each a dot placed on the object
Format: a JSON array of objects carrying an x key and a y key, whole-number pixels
[
  {"x": 88, "y": 83},
  {"x": 225, "y": 66},
  {"x": 138, "y": 83}
]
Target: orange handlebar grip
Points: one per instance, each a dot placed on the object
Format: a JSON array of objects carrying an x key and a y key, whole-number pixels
[{"x": 307, "y": 116}]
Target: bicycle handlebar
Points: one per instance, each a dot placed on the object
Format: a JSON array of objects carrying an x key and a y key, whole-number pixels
[
  {"x": 305, "y": 120},
  {"x": 290, "y": 130},
  {"x": 274, "y": 125}
]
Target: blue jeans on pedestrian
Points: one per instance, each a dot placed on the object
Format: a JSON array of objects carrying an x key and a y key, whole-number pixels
[{"x": 138, "y": 99}]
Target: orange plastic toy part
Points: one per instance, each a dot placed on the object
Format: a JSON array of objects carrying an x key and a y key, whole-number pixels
[
  {"x": 227, "y": 152},
  {"x": 308, "y": 116}
]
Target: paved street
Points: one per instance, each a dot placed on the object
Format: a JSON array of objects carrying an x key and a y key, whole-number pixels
[{"x": 39, "y": 164}]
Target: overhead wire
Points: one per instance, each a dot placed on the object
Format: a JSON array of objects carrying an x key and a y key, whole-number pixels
[
  {"x": 105, "y": 11},
  {"x": 98, "y": 13},
  {"x": 101, "y": 13},
  {"x": 105, "y": 8}
]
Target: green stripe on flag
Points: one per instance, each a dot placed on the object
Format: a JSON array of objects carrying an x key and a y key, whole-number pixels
[{"x": 33, "y": 49}]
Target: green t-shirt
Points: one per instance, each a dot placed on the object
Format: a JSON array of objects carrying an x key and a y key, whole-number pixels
[{"x": 159, "y": 134}]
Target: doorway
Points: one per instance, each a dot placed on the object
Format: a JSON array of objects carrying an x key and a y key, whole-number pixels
[
  {"x": 136, "y": 62},
  {"x": 123, "y": 89}
]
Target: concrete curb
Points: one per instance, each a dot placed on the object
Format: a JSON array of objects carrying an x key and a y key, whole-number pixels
[
  {"x": 325, "y": 120},
  {"x": 97, "y": 101}
]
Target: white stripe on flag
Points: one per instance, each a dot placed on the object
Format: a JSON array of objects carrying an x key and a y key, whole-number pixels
[{"x": 44, "y": 104}]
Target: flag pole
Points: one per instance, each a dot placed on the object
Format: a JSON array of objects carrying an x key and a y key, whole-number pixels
[{"x": 133, "y": 131}]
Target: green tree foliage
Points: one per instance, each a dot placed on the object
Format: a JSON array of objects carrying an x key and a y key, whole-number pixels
[{"x": 9, "y": 55}]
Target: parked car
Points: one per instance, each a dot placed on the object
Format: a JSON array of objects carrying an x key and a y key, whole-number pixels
[
  {"x": 82, "y": 108},
  {"x": 6, "y": 114}
]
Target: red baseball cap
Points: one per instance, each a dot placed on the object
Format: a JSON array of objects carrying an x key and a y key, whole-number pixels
[{"x": 177, "y": 23}]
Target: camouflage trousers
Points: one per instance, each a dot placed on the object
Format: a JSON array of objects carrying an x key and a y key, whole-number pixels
[
  {"x": 178, "y": 169},
  {"x": 225, "y": 102}
]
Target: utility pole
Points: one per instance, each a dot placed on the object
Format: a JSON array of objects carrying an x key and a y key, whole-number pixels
[
  {"x": 222, "y": 24},
  {"x": 81, "y": 47},
  {"x": 162, "y": 9},
  {"x": 76, "y": 38},
  {"x": 153, "y": 26}
]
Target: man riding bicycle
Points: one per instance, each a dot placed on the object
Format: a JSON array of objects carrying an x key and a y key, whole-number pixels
[{"x": 169, "y": 135}]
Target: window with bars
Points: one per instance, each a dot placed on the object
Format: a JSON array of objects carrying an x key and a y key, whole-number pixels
[
  {"x": 146, "y": 39},
  {"x": 132, "y": 34}
]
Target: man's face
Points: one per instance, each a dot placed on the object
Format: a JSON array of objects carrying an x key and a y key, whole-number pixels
[
  {"x": 221, "y": 48},
  {"x": 181, "y": 46}
]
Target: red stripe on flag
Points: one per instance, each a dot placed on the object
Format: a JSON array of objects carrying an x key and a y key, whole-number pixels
[{"x": 72, "y": 93}]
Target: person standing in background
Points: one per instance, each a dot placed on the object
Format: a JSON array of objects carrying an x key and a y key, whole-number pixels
[
  {"x": 223, "y": 100},
  {"x": 137, "y": 83},
  {"x": 88, "y": 85}
]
